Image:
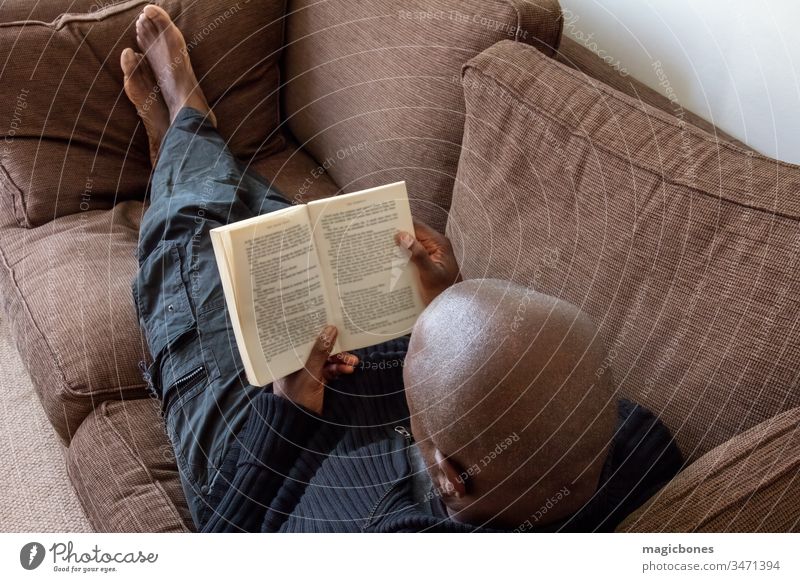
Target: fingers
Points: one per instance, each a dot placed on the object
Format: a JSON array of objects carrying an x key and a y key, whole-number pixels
[
  {"x": 433, "y": 240},
  {"x": 338, "y": 364},
  {"x": 419, "y": 254},
  {"x": 423, "y": 231},
  {"x": 322, "y": 349},
  {"x": 333, "y": 371},
  {"x": 344, "y": 358},
  {"x": 328, "y": 366}
]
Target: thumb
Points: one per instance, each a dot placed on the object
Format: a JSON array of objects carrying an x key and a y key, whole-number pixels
[
  {"x": 419, "y": 254},
  {"x": 321, "y": 350}
]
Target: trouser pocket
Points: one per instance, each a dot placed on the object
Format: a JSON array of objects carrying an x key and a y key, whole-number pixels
[
  {"x": 207, "y": 403},
  {"x": 162, "y": 302},
  {"x": 183, "y": 367},
  {"x": 188, "y": 371}
]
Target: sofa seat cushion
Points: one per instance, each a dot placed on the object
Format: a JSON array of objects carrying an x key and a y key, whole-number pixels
[
  {"x": 123, "y": 470},
  {"x": 371, "y": 88},
  {"x": 681, "y": 247},
  {"x": 66, "y": 286},
  {"x": 74, "y": 140},
  {"x": 748, "y": 484},
  {"x": 295, "y": 174}
]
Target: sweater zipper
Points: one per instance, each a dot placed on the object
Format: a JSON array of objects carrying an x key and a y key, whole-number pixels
[{"x": 402, "y": 431}]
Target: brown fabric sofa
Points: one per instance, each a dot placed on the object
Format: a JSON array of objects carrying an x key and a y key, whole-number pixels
[
  {"x": 682, "y": 246},
  {"x": 322, "y": 98}
]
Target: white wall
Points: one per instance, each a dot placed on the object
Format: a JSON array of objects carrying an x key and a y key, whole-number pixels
[{"x": 733, "y": 62}]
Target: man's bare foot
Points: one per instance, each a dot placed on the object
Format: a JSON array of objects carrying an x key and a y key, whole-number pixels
[
  {"x": 143, "y": 91},
  {"x": 163, "y": 45}
]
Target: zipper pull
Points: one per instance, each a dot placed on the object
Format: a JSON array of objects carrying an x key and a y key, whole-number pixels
[{"x": 401, "y": 430}]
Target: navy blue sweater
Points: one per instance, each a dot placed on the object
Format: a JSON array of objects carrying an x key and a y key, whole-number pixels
[{"x": 349, "y": 471}]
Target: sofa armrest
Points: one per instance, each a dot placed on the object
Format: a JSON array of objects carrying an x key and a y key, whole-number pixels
[{"x": 749, "y": 484}]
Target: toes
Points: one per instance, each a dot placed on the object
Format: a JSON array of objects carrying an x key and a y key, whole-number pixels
[
  {"x": 157, "y": 16},
  {"x": 128, "y": 61},
  {"x": 143, "y": 37},
  {"x": 149, "y": 30},
  {"x": 140, "y": 23}
]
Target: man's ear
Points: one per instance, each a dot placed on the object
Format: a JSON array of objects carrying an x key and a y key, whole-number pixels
[{"x": 450, "y": 479}]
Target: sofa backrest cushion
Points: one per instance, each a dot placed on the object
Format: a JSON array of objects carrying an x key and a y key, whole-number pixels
[
  {"x": 372, "y": 88},
  {"x": 682, "y": 248},
  {"x": 71, "y": 139}
]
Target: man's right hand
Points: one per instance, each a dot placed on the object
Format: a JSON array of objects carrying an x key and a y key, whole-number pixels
[
  {"x": 433, "y": 255},
  {"x": 306, "y": 387}
]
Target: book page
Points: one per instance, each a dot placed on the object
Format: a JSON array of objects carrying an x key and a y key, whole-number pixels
[
  {"x": 373, "y": 288},
  {"x": 220, "y": 240},
  {"x": 280, "y": 295}
]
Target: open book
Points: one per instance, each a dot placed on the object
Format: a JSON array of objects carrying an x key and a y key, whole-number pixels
[{"x": 289, "y": 273}]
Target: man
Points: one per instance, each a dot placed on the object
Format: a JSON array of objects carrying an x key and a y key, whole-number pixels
[{"x": 508, "y": 427}]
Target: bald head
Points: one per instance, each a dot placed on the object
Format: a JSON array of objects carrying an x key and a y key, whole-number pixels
[{"x": 509, "y": 403}]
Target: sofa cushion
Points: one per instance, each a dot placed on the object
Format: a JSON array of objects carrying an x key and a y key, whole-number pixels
[
  {"x": 580, "y": 58},
  {"x": 748, "y": 484},
  {"x": 14, "y": 10},
  {"x": 372, "y": 88},
  {"x": 295, "y": 174},
  {"x": 72, "y": 140},
  {"x": 124, "y": 472},
  {"x": 683, "y": 248},
  {"x": 66, "y": 286}
]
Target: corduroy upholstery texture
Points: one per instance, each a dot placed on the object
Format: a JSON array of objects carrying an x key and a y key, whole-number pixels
[
  {"x": 17, "y": 10},
  {"x": 66, "y": 290},
  {"x": 372, "y": 87},
  {"x": 75, "y": 141},
  {"x": 595, "y": 70},
  {"x": 683, "y": 248},
  {"x": 123, "y": 469},
  {"x": 750, "y": 483}
]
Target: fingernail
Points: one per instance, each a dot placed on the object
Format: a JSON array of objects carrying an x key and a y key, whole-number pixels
[{"x": 406, "y": 240}]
